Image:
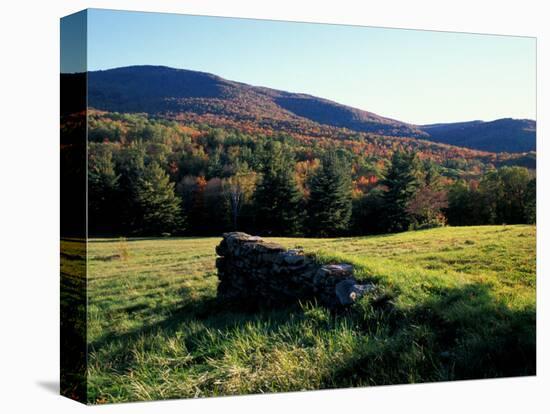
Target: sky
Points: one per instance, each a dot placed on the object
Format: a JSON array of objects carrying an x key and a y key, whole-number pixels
[{"x": 411, "y": 75}]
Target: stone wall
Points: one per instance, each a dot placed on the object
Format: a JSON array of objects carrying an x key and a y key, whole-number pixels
[{"x": 266, "y": 274}]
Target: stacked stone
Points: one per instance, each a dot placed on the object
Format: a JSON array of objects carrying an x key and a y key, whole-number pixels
[{"x": 266, "y": 274}]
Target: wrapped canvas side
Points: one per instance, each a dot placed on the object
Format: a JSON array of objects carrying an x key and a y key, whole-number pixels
[{"x": 73, "y": 232}]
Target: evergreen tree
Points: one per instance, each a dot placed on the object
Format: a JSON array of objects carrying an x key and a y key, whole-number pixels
[
  {"x": 402, "y": 182},
  {"x": 103, "y": 187},
  {"x": 330, "y": 202},
  {"x": 159, "y": 206},
  {"x": 129, "y": 164},
  {"x": 367, "y": 211},
  {"x": 277, "y": 198}
]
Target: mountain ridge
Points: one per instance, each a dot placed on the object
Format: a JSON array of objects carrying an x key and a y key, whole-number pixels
[
  {"x": 170, "y": 91},
  {"x": 516, "y": 135},
  {"x": 180, "y": 90}
]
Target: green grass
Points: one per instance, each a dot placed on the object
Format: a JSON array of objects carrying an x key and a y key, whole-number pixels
[{"x": 460, "y": 303}]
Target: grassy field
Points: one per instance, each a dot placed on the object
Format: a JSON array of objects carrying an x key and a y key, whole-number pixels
[{"x": 461, "y": 305}]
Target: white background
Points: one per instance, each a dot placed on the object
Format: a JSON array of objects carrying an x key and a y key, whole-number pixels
[{"x": 29, "y": 206}]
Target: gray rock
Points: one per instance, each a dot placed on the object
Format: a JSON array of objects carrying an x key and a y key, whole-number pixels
[
  {"x": 293, "y": 257},
  {"x": 348, "y": 291},
  {"x": 341, "y": 269}
]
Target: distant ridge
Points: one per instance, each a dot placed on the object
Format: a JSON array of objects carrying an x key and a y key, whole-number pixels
[
  {"x": 162, "y": 90},
  {"x": 507, "y": 134}
]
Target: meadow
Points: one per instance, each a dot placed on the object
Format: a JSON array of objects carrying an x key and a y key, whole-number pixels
[{"x": 458, "y": 303}]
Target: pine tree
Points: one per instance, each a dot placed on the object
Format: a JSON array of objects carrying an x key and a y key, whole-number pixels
[
  {"x": 277, "y": 198},
  {"x": 367, "y": 213},
  {"x": 159, "y": 206},
  {"x": 103, "y": 188},
  {"x": 402, "y": 182},
  {"x": 129, "y": 164},
  {"x": 330, "y": 201}
]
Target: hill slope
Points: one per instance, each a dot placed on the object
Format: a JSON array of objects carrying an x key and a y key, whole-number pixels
[
  {"x": 507, "y": 134},
  {"x": 168, "y": 91},
  {"x": 158, "y": 89}
]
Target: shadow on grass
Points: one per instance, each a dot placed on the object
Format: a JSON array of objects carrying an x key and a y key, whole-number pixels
[
  {"x": 458, "y": 334},
  {"x": 211, "y": 312}
]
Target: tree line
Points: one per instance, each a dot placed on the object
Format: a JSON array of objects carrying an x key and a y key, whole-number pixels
[
  {"x": 261, "y": 187},
  {"x": 130, "y": 196}
]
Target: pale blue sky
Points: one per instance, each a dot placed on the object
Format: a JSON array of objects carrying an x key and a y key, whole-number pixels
[{"x": 411, "y": 75}]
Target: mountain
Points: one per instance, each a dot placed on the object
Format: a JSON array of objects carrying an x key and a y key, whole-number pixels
[
  {"x": 502, "y": 135},
  {"x": 191, "y": 95},
  {"x": 162, "y": 90}
]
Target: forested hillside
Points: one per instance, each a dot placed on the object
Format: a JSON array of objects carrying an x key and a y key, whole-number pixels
[
  {"x": 149, "y": 176},
  {"x": 184, "y": 152},
  {"x": 198, "y": 96},
  {"x": 163, "y": 90}
]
